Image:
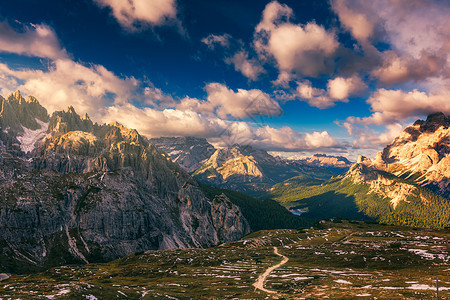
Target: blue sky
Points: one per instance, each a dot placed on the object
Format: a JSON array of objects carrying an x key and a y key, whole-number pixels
[{"x": 340, "y": 77}]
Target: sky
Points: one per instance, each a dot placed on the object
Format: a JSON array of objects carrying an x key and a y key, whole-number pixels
[{"x": 340, "y": 77}]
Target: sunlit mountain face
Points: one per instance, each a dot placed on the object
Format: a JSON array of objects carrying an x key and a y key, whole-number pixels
[{"x": 296, "y": 77}]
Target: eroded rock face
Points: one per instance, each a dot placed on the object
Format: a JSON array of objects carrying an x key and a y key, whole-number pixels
[
  {"x": 419, "y": 156},
  {"x": 228, "y": 219},
  {"x": 380, "y": 182},
  {"x": 422, "y": 149},
  {"x": 90, "y": 192},
  {"x": 22, "y": 123}
]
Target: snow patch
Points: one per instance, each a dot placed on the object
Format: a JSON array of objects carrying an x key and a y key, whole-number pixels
[
  {"x": 342, "y": 281},
  {"x": 30, "y": 137}
]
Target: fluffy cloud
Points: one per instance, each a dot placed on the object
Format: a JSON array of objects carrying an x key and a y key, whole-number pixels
[
  {"x": 275, "y": 139},
  {"x": 341, "y": 88},
  {"x": 297, "y": 49},
  {"x": 212, "y": 40},
  {"x": 168, "y": 122},
  {"x": 226, "y": 103},
  {"x": 135, "y": 14},
  {"x": 391, "y": 106},
  {"x": 416, "y": 31},
  {"x": 315, "y": 97},
  {"x": 33, "y": 40},
  {"x": 104, "y": 96},
  {"x": 338, "y": 90},
  {"x": 157, "y": 98},
  {"x": 397, "y": 68},
  {"x": 250, "y": 68},
  {"x": 393, "y": 110},
  {"x": 356, "y": 17},
  {"x": 176, "y": 122},
  {"x": 287, "y": 139},
  {"x": 319, "y": 140},
  {"x": 367, "y": 138}
]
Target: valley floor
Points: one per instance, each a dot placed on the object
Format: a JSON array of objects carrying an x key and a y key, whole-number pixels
[{"x": 348, "y": 260}]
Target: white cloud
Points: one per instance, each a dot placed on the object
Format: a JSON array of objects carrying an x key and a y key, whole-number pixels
[
  {"x": 167, "y": 122},
  {"x": 212, "y": 40},
  {"x": 297, "y": 49},
  {"x": 226, "y": 103},
  {"x": 250, "y": 68},
  {"x": 135, "y": 14},
  {"x": 403, "y": 68},
  {"x": 338, "y": 90},
  {"x": 273, "y": 13},
  {"x": 156, "y": 97},
  {"x": 367, "y": 138},
  {"x": 34, "y": 40},
  {"x": 356, "y": 17},
  {"x": 319, "y": 140},
  {"x": 315, "y": 97},
  {"x": 341, "y": 88},
  {"x": 393, "y": 109},
  {"x": 392, "y": 106},
  {"x": 275, "y": 139}
]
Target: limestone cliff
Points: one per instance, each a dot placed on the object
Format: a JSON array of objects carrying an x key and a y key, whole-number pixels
[{"x": 85, "y": 192}]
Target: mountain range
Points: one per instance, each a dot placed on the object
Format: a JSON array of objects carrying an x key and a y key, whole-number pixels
[{"x": 243, "y": 167}]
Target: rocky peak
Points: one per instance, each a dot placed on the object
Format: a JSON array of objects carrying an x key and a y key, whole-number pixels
[
  {"x": 229, "y": 164},
  {"x": 15, "y": 97},
  {"x": 433, "y": 122},
  {"x": 85, "y": 117},
  {"x": 361, "y": 159},
  {"x": 117, "y": 133},
  {"x": 16, "y": 113},
  {"x": 64, "y": 121}
]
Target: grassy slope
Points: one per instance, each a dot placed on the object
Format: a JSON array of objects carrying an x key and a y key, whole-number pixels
[{"x": 346, "y": 199}]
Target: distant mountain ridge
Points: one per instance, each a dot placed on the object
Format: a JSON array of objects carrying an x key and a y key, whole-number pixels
[
  {"x": 324, "y": 160},
  {"x": 239, "y": 167},
  {"x": 189, "y": 152},
  {"x": 248, "y": 169}
]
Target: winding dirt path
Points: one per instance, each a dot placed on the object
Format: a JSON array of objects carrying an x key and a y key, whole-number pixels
[{"x": 259, "y": 283}]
